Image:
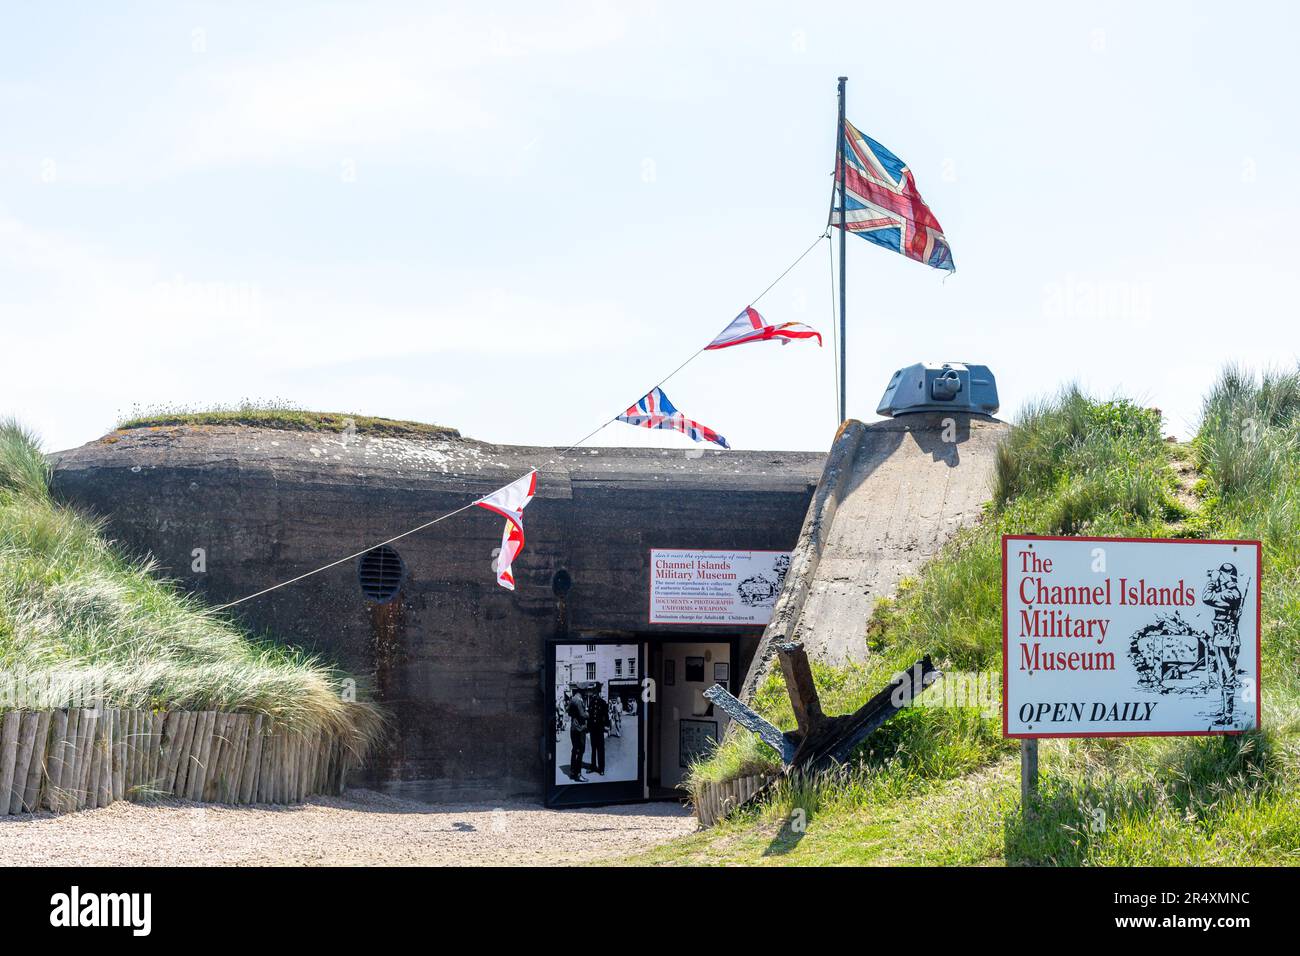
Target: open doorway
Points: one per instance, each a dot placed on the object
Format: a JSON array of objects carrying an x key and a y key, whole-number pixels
[
  {"x": 608, "y": 738},
  {"x": 682, "y": 725}
]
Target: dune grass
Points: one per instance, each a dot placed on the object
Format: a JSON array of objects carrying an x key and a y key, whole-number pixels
[
  {"x": 938, "y": 783},
  {"x": 282, "y": 415},
  {"x": 81, "y": 621}
]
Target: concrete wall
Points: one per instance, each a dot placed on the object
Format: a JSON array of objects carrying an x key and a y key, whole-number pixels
[
  {"x": 893, "y": 492},
  {"x": 458, "y": 660}
]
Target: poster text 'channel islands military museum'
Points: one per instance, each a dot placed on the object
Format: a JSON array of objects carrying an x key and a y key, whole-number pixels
[{"x": 715, "y": 587}]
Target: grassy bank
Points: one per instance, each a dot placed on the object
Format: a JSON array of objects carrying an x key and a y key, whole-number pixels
[
  {"x": 78, "y": 618},
  {"x": 939, "y": 784},
  {"x": 283, "y": 416}
]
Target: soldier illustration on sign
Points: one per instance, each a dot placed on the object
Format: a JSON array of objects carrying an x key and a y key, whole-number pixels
[
  {"x": 762, "y": 589},
  {"x": 1223, "y": 594},
  {"x": 1174, "y": 655}
]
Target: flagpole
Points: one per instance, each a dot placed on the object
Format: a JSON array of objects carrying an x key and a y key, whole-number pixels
[{"x": 839, "y": 175}]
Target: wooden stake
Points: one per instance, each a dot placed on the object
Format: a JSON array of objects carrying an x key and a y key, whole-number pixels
[
  {"x": 186, "y": 768},
  {"x": 235, "y": 765},
  {"x": 132, "y": 738},
  {"x": 193, "y": 749},
  {"x": 9, "y": 726},
  {"x": 276, "y": 765},
  {"x": 166, "y": 744},
  {"x": 300, "y": 767},
  {"x": 140, "y": 747},
  {"x": 266, "y": 783},
  {"x": 23, "y": 765},
  {"x": 95, "y": 783},
  {"x": 71, "y": 767},
  {"x": 105, "y": 795},
  {"x": 203, "y": 749},
  {"x": 67, "y": 771},
  {"x": 176, "y": 764},
  {"x": 128, "y": 750},
  {"x": 213, "y": 756},
  {"x": 119, "y": 753},
  {"x": 221, "y": 745},
  {"x": 240, "y": 763},
  {"x": 174, "y": 735},
  {"x": 39, "y": 767},
  {"x": 248, "y": 783},
  {"x": 226, "y": 767},
  {"x": 282, "y": 768},
  {"x": 228, "y": 752},
  {"x": 81, "y": 785},
  {"x": 109, "y": 720},
  {"x": 156, "y": 721}
]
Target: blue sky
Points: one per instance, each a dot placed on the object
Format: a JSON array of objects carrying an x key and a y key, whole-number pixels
[{"x": 515, "y": 222}]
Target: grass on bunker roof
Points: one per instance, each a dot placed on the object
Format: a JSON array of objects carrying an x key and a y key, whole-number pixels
[
  {"x": 939, "y": 785},
  {"x": 80, "y": 619},
  {"x": 282, "y": 415}
]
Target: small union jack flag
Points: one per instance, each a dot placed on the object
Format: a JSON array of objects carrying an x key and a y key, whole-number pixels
[
  {"x": 654, "y": 410},
  {"x": 882, "y": 204}
]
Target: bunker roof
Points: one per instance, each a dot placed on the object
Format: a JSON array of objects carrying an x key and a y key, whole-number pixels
[{"x": 391, "y": 459}]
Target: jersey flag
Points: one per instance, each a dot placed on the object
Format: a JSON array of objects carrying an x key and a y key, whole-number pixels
[
  {"x": 882, "y": 204},
  {"x": 749, "y": 326},
  {"x": 654, "y": 410},
  {"x": 509, "y": 502}
]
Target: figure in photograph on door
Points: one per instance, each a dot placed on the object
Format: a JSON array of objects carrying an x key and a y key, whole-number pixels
[
  {"x": 597, "y": 724},
  {"x": 577, "y": 737}
]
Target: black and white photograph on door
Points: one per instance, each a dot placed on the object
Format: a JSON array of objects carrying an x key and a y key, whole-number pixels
[{"x": 597, "y": 708}]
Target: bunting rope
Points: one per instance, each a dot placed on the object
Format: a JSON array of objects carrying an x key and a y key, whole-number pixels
[
  {"x": 466, "y": 507},
  {"x": 350, "y": 557}
]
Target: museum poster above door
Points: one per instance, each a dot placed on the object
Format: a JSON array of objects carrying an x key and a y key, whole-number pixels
[{"x": 715, "y": 587}]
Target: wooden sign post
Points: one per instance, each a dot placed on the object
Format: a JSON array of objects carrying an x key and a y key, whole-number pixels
[{"x": 1028, "y": 775}]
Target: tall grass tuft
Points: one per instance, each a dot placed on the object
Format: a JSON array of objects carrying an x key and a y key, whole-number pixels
[{"x": 80, "y": 620}]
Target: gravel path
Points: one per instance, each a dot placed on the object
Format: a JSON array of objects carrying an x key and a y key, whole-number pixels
[{"x": 362, "y": 829}]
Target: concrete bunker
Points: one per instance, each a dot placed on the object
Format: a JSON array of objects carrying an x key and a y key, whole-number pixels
[
  {"x": 465, "y": 668},
  {"x": 649, "y": 576}
]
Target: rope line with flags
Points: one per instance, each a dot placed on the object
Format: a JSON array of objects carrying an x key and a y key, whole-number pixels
[{"x": 510, "y": 500}]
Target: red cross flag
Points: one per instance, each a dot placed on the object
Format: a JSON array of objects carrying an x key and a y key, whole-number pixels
[
  {"x": 509, "y": 502},
  {"x": 749, "y": 326}
]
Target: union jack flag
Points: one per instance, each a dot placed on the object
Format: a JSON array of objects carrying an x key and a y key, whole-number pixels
[
  {"x": 655, "y": 411},
  {"x": 883, "y": 206}
]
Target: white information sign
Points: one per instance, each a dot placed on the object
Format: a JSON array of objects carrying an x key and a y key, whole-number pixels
[
  {"x": 715, "y": 587},
  {"x": 1117, "y": 637}
]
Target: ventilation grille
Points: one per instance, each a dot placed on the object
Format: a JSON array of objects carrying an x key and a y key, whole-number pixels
[{"x": 380, "y": 573}]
